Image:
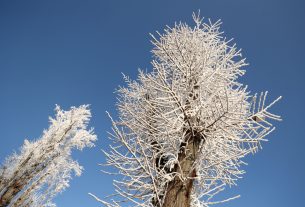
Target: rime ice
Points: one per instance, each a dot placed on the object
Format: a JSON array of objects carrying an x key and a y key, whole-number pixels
[
  {"x": 44, "y": 167},
  {"x": 184, "y": 128}
]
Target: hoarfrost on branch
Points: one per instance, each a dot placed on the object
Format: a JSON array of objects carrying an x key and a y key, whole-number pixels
[
  {"x": 187, "y": 124},
  {"x": 44, "y": 167}
]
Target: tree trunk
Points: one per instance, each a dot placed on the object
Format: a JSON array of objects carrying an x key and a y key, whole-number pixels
[{"x": 178, "y": 193}]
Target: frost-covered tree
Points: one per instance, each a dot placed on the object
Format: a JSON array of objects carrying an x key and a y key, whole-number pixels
[
  {"x": 184, "y": 127},
  {"x": 43, "y": 168}
]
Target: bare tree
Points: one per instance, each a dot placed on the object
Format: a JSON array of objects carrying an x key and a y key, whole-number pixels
[
  {"x": 184, "y": 128},
  {"x": 44, "y": 167}
]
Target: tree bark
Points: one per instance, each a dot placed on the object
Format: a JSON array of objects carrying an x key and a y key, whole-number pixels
[
  {"x": 9, "y": 194},
  {"x": 179, "y": 191}
]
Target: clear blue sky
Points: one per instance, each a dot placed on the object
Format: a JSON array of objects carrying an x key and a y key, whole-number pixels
[{"x": 72, "y": 52}]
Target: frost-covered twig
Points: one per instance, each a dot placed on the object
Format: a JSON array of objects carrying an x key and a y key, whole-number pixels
[
  {"x": 44, "y": 167},
  {"x": 184, "y": 128}
]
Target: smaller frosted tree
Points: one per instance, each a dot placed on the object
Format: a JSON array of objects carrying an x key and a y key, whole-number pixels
[
  {"x": 185, "y": 127},
  {"x": 44, "y": 167}
]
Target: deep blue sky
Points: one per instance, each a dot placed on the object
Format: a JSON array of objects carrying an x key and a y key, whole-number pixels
[{"x": 72, "y": 52}]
